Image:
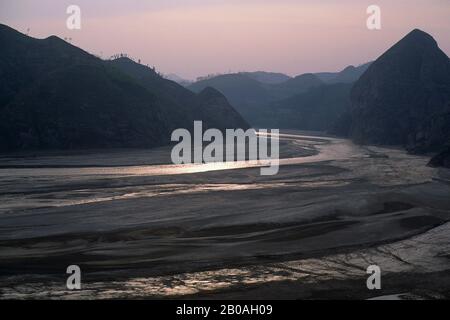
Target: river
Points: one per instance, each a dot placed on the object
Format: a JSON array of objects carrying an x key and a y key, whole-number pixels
[{"x": 128, "y": 218}]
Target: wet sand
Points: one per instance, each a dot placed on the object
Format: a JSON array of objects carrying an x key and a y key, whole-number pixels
[{"x": 139, "y": 228}]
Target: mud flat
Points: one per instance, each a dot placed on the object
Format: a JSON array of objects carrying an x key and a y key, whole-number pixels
[{"x": 146, "y": 229}]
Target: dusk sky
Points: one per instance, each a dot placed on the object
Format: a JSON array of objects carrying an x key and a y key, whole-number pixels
[{"x": 196, "y": 37}]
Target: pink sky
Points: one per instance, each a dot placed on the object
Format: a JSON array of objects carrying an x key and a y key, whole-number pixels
[{"x": 197, "y": 37}]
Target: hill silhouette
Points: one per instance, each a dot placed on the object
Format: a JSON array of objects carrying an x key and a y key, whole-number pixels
[
  {"x": 311, "y": 101},
  {"x": 54, "y": 95},
  {"x": 404, "y": 97}
]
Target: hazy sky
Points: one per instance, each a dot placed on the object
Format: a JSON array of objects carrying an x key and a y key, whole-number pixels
[{"x": 197, "y": 37}]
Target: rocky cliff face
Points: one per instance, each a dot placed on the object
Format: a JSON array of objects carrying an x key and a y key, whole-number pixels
[{"x": 404, "y": 97}]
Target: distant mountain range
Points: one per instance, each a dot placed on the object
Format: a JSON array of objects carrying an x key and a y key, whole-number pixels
[
  {"x": 277, "y": 100},
  {"x": 250, "y": 96},
  {"x": 176, "y": 78},
  {"x": 267, "y": 77},
  {"x": 240, "y": 90},
  {"x": 348, "y": 75},
  {"x": 54, "y": 95}
]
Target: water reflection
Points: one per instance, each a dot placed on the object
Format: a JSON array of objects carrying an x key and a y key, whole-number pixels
[{"x": 330, "y": 149}]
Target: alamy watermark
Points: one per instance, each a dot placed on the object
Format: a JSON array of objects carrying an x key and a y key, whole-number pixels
[
  {"x": 74, "y": 280},
  {"x": 374, "y": 280},
  {"x": 237, "y": 145},
  {"x": 73, "y": 22},
  {"x": 374, "y": 20}
]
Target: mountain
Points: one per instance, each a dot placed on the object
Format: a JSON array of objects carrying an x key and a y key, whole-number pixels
[
  {"x": 296, "y": 85},
  {"x": 183, "y": 105},
  {"x": 217, "y": 111},
  {"x": 54, "y": 95},
  {"x": 326, "y": 77},
  {"x": 176, "y": 78},
  {"x": 243, "y": 92},
  {"x": 248, "y": 95},
  {"x": 348, "y": 75},
  {"x": 351, "y": 74},
  {"x": 179, "y": 103},
  {"x": 404, "y": 97},
  {"x": 237, "y": 87},
  {"x": 242, "y": 89},
  {"x": 267, "y": 77},
  {"x": 317, "y": 109}
]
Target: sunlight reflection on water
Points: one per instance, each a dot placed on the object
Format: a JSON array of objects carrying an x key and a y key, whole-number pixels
[{"x": 329, "y": 150}]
